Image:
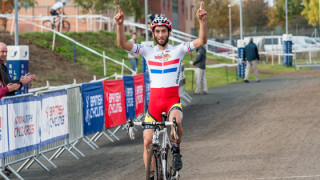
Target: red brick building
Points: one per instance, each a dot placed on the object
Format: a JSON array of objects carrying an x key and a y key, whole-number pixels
[{"x": 180, "y": 12}]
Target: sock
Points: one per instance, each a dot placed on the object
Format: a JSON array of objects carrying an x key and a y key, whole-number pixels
[
  {"x": 176, "y": 148},
  {"x": 151, "y": 173}
]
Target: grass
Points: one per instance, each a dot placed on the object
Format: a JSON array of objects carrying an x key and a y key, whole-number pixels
[{"x": 106, "y": 41}]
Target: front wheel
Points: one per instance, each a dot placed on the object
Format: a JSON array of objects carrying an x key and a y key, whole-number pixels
[
  {"x": 48, "y": 25},
  {"x": 154, "y": 163}
]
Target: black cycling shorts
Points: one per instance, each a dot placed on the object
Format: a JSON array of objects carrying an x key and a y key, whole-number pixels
[{"x": 54, "y": 12}]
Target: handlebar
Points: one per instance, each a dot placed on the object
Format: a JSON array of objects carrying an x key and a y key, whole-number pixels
[{"x": 131, "y": 123}]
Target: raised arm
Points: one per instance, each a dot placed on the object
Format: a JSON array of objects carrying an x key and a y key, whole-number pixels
[
  {"x": 202, "y": 39},
  {"x": 121, "y": 38}
]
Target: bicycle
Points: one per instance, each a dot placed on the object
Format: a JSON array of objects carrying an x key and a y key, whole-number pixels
[
  {"x": 51, "y": 25},
  {"x": 160, "y": 155}
]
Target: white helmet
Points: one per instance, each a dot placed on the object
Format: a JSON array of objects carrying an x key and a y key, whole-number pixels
[{"x": 64, "y": 1}]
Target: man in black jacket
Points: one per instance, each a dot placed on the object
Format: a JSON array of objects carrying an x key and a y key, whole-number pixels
[
  {"x": 251, "y": 58},
  {"x": 200, "y": 72},
  {"x": 7, "y": 79}
]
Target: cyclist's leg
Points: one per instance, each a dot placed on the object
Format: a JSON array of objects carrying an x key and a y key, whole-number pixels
[
  {"x": 176, "y": 112},
  {"x": 147, "y": 139}
]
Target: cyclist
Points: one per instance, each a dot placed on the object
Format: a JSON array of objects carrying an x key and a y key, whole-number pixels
[
  {"x": 164, "y": 64},
  {"x": 57, "y": 9}
]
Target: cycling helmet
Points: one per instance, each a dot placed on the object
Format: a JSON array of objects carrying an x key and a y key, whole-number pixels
[
  {"x": 64, "y": 1},
  {"x": 161, "y": 21}
]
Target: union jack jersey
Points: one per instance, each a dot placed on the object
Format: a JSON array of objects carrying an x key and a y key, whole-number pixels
[
  {"x": 164, "y": 68},
  {"x": 164, "y": 65}
]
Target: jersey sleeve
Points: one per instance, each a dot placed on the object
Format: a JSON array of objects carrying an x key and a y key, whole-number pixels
[
  {"x": 187, "y": 47},
  {"x": 140, "y": 49}
]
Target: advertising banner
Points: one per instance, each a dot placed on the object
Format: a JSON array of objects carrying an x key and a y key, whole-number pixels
[
  {"x": 3, "y": 130},
  {"x": 115, "y": 103},
  {"x": 93, "y": 107},
  {"x": 23, "y": 124},
  {"x": 54, "y": 117},
  {"x": 147, "y": 89},
  {"x": 139, "y": 93},
  {"x": 129, "y": 93},
  {"x": 241, "y": 65},
  {"x": 18, "y": 64}
]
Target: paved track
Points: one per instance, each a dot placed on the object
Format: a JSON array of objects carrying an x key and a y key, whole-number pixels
[{"x": 263, "y": 130}]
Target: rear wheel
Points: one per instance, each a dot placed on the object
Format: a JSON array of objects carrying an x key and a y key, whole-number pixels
[
  {"x": 47, "y": 24},
  {"x": 65, "y": 26},
  {"x": 154, "y": 163}
]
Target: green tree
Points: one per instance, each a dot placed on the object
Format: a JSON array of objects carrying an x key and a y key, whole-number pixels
[
  {"x": 277, "y": 14},
  {"x": 311, "y": 11},
  {"x": 129, "y": 7}
]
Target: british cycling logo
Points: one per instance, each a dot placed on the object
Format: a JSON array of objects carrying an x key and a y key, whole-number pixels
[
  {"x": 13, "y": 53},
  {"x": 24, "y": 53},
  {"x": 94, "y": 107},
  {"x": 87, "y": 118}
]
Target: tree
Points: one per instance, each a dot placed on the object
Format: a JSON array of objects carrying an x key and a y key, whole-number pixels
[
  {"x": 7, "y": 6},
  {"x": 277, "y": 13},
  {"x": 218, "y": 16},
  {"x": 129, "y": 7},
  {"x": 255, "y": 13},
  {"x": 311, "y": 11}
]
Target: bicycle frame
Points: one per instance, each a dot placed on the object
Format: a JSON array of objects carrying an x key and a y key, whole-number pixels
[
  {"x": 165, "y": 141},
  {"x": 162, "y": 150}
]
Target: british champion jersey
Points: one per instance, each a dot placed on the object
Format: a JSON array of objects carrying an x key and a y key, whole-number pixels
[
  {"x": 164, "y": 65},
  {"x": 164, "y": 69}
]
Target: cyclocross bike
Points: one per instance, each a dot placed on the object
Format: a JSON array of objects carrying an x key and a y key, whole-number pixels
[
  {"x": 49, "y": 23},
  {"x": 160, "y": 154}
]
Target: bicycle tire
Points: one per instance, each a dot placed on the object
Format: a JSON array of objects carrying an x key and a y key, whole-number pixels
[
  {"x": 65, "y": 26},
  {"x": 168, "y": 157},
  {"x": 154, "y": 158},
  {"x": 47, "y": 24}
]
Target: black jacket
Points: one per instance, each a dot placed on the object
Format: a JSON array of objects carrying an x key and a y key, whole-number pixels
[
  {"x": 8, "y": 79},
  {"x": 251, "y": 52},
  {"x": 200, "y": 60}
]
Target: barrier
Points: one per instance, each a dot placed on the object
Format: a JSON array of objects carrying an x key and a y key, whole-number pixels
[
  {"x": 129, "y": 94},
  {"x": 60, "y": 118}
]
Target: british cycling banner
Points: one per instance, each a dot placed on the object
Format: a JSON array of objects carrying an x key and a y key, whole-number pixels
[
  {"x": 129, "y": 92},
  {"x": 54, "y": 117},
  {"x": 23, "y": 124},
  {"x": 139, "y": 93},
  {"x": 93, "y": 107},
  {"x": 147, "y": 89},
  {"x": 114, "y": 103},
  {"x": 3, "y": 130}
]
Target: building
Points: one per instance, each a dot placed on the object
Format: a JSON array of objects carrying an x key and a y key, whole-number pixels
[{"x": 180, "y": 12}]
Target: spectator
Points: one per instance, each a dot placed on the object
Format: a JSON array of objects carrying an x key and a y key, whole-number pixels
[
  {"x": 200, "y": 72},
  {"x": 251, "y": 58},
  {"x": 261, "y": 44},
  {"x": 4, "y": 90},
  {"x": 133, "y": 57},
  {"x": 5, "y": 73}
]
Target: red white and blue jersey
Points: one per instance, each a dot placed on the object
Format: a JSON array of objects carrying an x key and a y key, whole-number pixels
[
  {"x": 164, "y": 68},
  {"x": 164, "y": 65}
]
